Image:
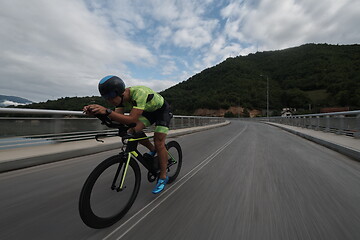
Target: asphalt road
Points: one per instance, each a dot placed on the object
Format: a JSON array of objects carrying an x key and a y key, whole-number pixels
[{"x": 242, "y": 181}]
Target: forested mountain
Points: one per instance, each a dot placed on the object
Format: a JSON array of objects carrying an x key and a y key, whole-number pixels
[{"x": 311, "y": 76}]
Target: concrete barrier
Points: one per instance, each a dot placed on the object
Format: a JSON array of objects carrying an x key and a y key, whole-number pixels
[
  {"x": 19, "y": 158},
  {"x": 345, "y": 145}
]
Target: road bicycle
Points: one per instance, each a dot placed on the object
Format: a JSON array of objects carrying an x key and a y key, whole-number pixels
[{"x": 112, "y": 187}]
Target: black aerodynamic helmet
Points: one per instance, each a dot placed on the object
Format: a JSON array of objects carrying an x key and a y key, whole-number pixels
[{"x": 111, "y": 86}]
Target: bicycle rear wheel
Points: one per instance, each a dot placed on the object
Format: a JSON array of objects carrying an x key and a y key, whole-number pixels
[
  {"x": 101, "y": 202},
  {"x": 174, "y": 160}
]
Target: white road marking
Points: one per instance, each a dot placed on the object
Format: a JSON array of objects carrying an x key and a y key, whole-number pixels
[{"x": 175, "y": 186}]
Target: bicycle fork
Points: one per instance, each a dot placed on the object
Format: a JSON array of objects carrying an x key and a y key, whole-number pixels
[{"x": 123, "y": 175}]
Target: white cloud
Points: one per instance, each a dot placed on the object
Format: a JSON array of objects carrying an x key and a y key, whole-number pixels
[
  {"x": 50, "y": 50},
  {"x": 192, "y": 38},
  {"x": 182, "y": 23},
  {"x": 161, "y": 36},
  {"x": 169, "y": 68},
  {"x": 276, "y": 24},
  {"x": 163, "y": 10},
  {"x": 62, "y": 46},
  {"x": 155, "y": 84},
  {"x": 10, "y": 103}
]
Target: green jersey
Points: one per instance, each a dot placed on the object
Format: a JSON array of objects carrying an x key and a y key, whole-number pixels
[{"x": 143, "y": 98}]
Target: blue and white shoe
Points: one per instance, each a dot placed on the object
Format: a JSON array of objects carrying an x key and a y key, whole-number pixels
[{"x": 160, "y": 185}]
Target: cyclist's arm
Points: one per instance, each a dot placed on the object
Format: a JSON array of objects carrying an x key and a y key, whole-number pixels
[
  {"x": 133, "y": 117},
  {"x": 114, "y": 115},
  {"x": 120, "y": 110}
]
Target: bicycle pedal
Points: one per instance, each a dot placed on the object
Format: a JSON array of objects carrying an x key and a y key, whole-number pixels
[{"x": 151, "y": 177}]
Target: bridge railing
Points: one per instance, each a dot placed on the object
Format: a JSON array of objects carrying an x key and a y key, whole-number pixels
[
  {"x": 61, "y": 126},
  {"x": 345, "y": 123}
]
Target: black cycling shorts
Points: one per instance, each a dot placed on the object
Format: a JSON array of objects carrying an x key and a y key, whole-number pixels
[{"x": 161, "y": 117}]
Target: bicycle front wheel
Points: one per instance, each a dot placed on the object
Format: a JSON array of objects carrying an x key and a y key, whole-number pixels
[
  {"x": 174, "y": 160},
  {"x": 102, "y": 203}
]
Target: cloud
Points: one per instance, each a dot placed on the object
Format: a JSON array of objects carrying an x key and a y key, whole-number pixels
[
  {"x": 162, "y": 34},
  {"x": 50, "y": 50},
  {"x": 180, "y": 22},
  {"x": 194, "y": 34},
  {"x": 155, "y": 84},
  {"x": 276, "y": 24},
  {"x": 221, "y": 50},
  {"x": 169, "y": 68},
  {"x": 10, "y": 103},
  {"x": 164, "y": 11},
  {"x": 62, "y": 46}
]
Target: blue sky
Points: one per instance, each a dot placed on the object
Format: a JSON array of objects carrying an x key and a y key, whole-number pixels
[{"x": 51, "y": 49}]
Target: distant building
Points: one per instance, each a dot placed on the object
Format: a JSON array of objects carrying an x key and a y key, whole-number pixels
[
  {"x": 334, "y": 109},
  {"x": 287, "y": 112}
]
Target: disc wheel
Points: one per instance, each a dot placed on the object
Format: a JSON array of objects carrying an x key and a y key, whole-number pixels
[
  {"x": 102, "y": 203},
  {"x": 174, "y": 160}
]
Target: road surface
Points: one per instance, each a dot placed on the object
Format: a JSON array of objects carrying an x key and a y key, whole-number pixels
[{"x": 243, "y": 181}]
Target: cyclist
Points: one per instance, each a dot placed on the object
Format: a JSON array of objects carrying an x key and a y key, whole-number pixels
[{"x": 146, "y": 107}]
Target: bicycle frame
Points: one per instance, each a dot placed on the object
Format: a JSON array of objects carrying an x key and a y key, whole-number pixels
[{"x": 132, "y": 152}]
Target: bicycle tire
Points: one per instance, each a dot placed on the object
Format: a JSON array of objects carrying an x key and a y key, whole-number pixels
[
  {"x": 88, "y": 210},
  {"x": 174, "y": 149}
]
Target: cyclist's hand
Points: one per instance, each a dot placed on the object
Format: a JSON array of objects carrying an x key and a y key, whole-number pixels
[
  {"x": 87, "y": 110},
  {"x": 94, "y": 109}
]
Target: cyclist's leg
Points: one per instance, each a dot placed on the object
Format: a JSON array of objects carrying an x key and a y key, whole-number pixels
[
  {"x": 146, "y": 143},
  {"x": 163, "y": 118},
  {"x": 159, "y": 139},
  {"x": 140, "y": 125}
]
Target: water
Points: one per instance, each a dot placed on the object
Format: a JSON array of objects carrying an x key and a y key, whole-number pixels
[{"x": 18, "y": 142}]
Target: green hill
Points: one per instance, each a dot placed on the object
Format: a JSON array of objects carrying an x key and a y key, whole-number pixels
[{"x": 312, "y": 75}]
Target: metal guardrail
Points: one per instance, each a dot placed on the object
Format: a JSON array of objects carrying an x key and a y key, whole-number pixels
[
  {"x": 345, "y": 123},
  {"x": 65, "y": 126}
]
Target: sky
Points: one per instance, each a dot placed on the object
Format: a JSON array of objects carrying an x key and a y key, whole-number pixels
[{"x": 51, "y": 49}]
